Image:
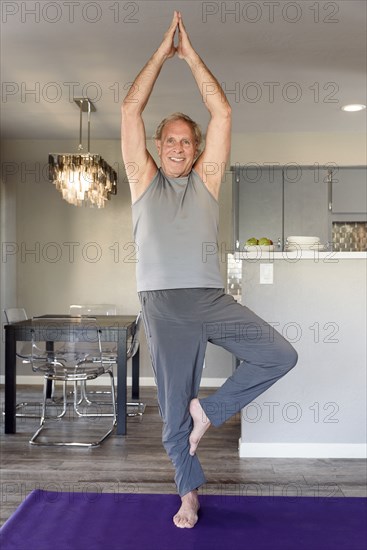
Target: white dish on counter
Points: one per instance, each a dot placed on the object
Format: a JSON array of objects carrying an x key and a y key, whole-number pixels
[
  {"x": 303, "y": 239},
  {"x": 256, "y": 247},
  {"x": 295, "y": 246}
]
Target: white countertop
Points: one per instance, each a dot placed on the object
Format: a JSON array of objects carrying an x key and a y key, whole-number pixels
[
  {"x": 296, "y": 255},
  {"x": 320, "y": 308}
]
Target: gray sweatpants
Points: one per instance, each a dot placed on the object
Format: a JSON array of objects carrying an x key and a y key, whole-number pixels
[{"x": 178, "y": 325}]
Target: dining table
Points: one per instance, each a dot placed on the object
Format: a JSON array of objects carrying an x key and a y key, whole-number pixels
[{"x": 55, "y": 328}]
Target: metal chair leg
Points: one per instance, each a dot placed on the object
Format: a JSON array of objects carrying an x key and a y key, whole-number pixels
[
  {"x": 37, "y": 405},
  {"x": 34, "y": 440}
]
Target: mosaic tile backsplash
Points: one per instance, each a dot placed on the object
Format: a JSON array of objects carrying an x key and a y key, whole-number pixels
[{"x": 349, "y": 236}]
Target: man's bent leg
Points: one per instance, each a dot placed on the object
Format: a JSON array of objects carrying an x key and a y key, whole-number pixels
[{"x": 266, "y": 357}]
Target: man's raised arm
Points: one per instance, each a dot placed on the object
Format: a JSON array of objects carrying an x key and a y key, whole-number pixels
[
  {"x": 218, "y": 138},
  {"x": 140, "y": 166}
]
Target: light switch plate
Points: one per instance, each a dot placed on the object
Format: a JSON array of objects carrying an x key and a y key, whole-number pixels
[{"x": 266, "y": 274}]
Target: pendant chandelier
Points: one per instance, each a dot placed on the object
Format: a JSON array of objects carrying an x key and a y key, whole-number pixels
[{"x": 83, "y": 178}]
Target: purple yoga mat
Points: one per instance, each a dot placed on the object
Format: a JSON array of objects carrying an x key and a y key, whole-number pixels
[{"x": 93, "y": 521}]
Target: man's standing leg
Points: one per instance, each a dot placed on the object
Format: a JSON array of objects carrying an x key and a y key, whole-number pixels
[{"x": 177, "y": 353}]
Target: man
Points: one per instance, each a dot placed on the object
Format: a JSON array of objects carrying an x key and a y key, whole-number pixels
[{"x": 175, "y": 219}]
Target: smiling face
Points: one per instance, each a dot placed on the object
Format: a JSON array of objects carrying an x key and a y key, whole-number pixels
[{"x": 177, "y": 148}]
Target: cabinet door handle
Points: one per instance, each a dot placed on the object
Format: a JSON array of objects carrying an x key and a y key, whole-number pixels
[
  {"x": 330, "y": 190},
  {"x": 235, "y": 203}
]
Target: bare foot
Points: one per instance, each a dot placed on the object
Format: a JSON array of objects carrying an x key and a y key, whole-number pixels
[
  {"x": 201, "y": 424},
  {"x": 187, "y": 515}
]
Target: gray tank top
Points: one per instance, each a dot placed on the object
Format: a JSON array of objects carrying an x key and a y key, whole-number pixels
[{"x": 175, "y": 224}]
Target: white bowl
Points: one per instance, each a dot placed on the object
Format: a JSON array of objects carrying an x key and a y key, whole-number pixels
[
  {"x": 303, "y": 239},
  {"x": 257, "y": 247}
]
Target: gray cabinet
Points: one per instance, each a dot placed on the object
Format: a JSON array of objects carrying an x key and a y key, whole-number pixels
[
  {"x": 277, "y": 202},
  {"x": 306, "y": 202},
  {"x": 259, "y": 203},
  {"x": 349, "y": 190}
]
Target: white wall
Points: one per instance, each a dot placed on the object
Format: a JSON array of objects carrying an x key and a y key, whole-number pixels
[
  {"x": 304, "y": 149},
  {"x": 56, "y": 254},
  {"x": 102, "y": 272},
  {"x": 319, "y": 408},
  {"x": 33, "y": 215}
]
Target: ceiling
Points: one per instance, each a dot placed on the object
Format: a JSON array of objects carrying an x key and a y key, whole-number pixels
[{"x": 286, "y": 66}]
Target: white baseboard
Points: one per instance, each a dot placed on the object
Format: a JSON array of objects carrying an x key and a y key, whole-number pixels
[
  {"x": 302, "y": 450},
  {"x": 246, "y": 450},
  {"x": 145, "y": 381}
]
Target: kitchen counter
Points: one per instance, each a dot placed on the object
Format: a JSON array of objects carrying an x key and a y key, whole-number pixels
[
  {"x": 319, "y": 306},
  {"x": 293, "y": 256}
]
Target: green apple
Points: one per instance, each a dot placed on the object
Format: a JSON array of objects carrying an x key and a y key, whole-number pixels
[
  {"x": 264, "y": 241},
  {"x": 252, "y": 242}
]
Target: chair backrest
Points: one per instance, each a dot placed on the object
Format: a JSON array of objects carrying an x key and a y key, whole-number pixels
[
  {"x": 86, "y": 349},
  {"x": 88, "y": 310},
  {"x": 15, "y": 314},
  {"x": 78, "y": 310},
  {"x": 134, "y": 345}
]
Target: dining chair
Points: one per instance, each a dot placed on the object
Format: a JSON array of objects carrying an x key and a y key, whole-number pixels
[
  {"x": 15, "y": 315},
  {"x": 89, "y": 365},
  {"x": 134, "y": 408},
  {"x": 109, "y": 350}
]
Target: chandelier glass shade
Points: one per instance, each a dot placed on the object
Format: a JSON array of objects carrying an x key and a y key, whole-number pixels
[{"x": 85, "y": 178}]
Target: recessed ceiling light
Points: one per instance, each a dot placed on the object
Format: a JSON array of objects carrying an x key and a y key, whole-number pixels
[{"x": 353, "y": 108}]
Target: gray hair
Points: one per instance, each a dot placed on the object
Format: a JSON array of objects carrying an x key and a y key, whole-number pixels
[{"x": 180, "y": 116}]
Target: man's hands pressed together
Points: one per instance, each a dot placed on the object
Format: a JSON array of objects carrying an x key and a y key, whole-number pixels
[
  {"x": 167, "y": 48},
  {"x": 184, "y": 49}
]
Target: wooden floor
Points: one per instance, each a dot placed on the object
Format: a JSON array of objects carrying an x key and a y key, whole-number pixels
[{"x": 137, "y": 463}]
